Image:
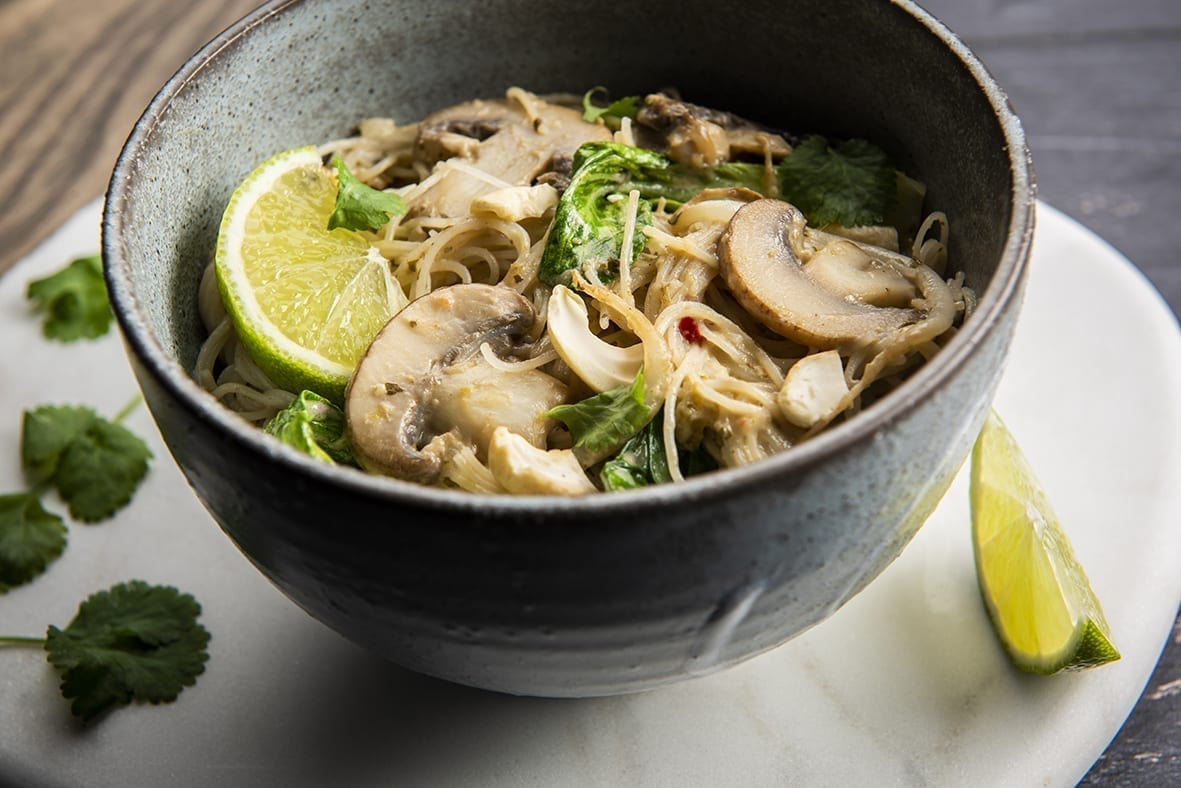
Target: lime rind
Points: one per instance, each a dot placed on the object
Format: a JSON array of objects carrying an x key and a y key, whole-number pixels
[{"x": 1038, "y": 597}]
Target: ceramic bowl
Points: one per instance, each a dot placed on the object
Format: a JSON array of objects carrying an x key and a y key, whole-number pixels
[{"x": 609, "y": 593}]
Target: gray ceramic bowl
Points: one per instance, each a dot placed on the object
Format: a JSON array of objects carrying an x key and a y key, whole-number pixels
[{"x": 605, "y": 594}]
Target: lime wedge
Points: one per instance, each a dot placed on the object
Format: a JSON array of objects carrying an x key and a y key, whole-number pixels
[
  {"x": 306, "y": 301},
  {"x": 1038, "y": 597}
]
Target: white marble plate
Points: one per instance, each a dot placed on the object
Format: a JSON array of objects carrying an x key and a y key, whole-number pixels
[{"x": 905, "y": 685}]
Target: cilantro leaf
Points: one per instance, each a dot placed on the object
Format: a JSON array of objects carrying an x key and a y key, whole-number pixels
[
  {"x": 30, "y": 539},
  {"x": 600, "y": 424},
  {"x": 315, "y": 426},
  {"x": 132, "y": 642},
  {"x": 612, "y": 113},
  {"x": 47, "y": 432},
  {"x": 100, "y": 471},
  {"x": 361, "y": 207},
  {"x": 852, "y": 185},
  {"x": 95, "y": 464},
  {"x": 74, "y": 301}
]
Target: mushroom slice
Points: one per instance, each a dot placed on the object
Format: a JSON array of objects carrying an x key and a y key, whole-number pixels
[
  {"x": 866, "y": 235},
  {"x": 759, "y": 260},
  {"x": 813, "y": 389},
  {"x": 513, "y": 145},
  {"x": 474, "y": 398},
  {"x": 393, "y": 405},
  {"x": 524, "y": 469},
  {"x": 845, "y": 267},
  {"x": 700, "y": 136},
  {"x": 600, "y": 365}
]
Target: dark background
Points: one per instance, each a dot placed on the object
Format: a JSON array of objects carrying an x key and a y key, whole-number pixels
[{"x": 1096, "y": 82}]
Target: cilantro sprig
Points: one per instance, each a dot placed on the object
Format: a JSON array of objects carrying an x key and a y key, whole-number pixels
[
  {"x": 132, "y": 642},
  {"x": 73, "y": 301},
  {"x": 851, "y": 184},
  {"x": 359, "y": 206},
  {"x": 612, "y": 112},
  {"x": 94, "y": 464},
  {"x": 31, "y": 538}
]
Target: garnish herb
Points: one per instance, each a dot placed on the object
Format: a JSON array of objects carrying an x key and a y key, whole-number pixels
[
  {"x": 132, "y": 642},
  {"x": 602, "y": 423},
  {"x": 95, "y": 464},
  {"x": 359, "y": 206},
  {"x": 30, "y": 538},
  {"x": 73, "y": 300},
  {"x": 612, "y": 112},
  {"x": 315, "y": 426},
  {"x": 852, "y": 184}
]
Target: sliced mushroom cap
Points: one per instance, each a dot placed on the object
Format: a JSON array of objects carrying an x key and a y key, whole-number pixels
[
  {"x": 502, "y": 139},
  {"x": 759, "y": 260},
  {"x": 845, "y": 267},
  {"x": 423, "y": 377},
  {"x": 474, "y": 398},
  {"x": 700, "y": 136}
]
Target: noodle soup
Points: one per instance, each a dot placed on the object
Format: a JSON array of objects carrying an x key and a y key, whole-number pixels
[{"x": 594, "y": 295}]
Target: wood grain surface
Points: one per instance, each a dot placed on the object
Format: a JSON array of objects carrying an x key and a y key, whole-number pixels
[
  {"x": 1095, "y": 82},
  {"x": 74, "y": 77}
]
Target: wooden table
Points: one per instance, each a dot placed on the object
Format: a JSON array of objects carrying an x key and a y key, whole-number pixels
[{"x": 1095, "y": 82}]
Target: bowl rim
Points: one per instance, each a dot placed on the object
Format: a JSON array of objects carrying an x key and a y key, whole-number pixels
[{"x": 1004, "y": 288}]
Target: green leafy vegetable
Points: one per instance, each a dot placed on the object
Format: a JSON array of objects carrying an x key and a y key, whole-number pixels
[
  {"x": 74, "y": 301},
  {"x": 95, "y": 464},
  {"x": 600, "y": 424},
  {"x": 611, "y": 113},
  {"x": 588, "y": 227},
  {"x": 315, "y": 426},
  {"x": 30, "y": 538},
  {"x": 361, "y": 207},
  {"x": 132, "y": 642},
  {"x": 852, "y": 184},
  {"x": 641, "y": 461}
]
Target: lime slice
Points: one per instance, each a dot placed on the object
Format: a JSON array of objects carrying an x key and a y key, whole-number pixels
[
  {"x": 1040, "y": 601},
  {"x": 305, "y": 300}
]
